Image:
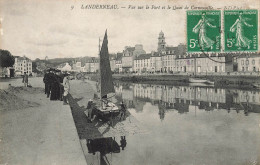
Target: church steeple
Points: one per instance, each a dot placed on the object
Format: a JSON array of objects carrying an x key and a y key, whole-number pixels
[{"x": 161, "y": 42}]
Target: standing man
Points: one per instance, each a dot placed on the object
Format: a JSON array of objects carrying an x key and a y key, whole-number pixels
[
  {"x": 49, "y": 81},
  {"x": 66, "y": 85},
  {"x": 45, "y": 80},
  {"x": 25, "y": 79}
]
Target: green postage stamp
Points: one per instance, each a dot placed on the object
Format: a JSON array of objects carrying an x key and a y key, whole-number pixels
[
  {"x": 203, "y": 30},
  {"x": 241, "y": 30}
]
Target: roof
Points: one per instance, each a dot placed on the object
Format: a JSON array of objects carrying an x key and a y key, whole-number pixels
[
  {"x": 61, "y": 65},
  {"x": 119, "y": 56},
  {"x": 143, "y": 56},
  {"x": 170, "y": 48},
  {"x": 155, "y": 54},
  {"x": 173, "y": 50},
  {"x": 249, "y": 55},
  {"x": 22, "y": 58},
  {"x": 112, "y": 56},
  {"x": 161, "y": 33},
  {"x": 130, "y": 49}
]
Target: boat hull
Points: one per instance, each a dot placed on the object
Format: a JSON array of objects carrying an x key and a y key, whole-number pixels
[
  {"x": 195, "y": 80},
  {"x": 200, "y": 81},
  {"x": 105, "y": 113}
]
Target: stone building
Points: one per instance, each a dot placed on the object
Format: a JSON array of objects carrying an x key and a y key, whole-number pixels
[
  {"x": 142, "y": 63},
  {"x": 129, "y": 54},
  {"x": 156, "y": 62},
  {"x": 64, "y": 67},
  {"x": 92, "y": 65},
  {"x": 201, "y": 63},
  {"x": 168, "y": 58},
  {"x": 21, "y": 65},
  {"x": 248, "y": 63}
]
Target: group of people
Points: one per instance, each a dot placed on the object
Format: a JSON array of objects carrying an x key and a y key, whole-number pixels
[{"x": 57, "y": 85}]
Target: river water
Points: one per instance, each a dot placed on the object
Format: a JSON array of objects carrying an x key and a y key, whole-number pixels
[{"x": 188, "y": 125}]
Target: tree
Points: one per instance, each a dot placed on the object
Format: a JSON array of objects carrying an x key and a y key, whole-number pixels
[{"x": 6, "y": 59}]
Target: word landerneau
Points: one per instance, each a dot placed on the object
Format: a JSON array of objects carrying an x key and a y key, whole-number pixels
[{"x": 95, "y": 6}]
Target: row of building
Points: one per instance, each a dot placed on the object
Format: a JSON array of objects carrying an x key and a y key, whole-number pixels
[
  {"x": 21, "y": 65},
  {"x": 170, "y": 59},
  {"x": 167, "y": 59}
]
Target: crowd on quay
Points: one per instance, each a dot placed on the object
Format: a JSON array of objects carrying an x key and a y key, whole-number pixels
[{"x": 57, "y": 85}]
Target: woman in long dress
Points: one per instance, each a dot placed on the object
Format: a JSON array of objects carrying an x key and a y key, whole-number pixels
[
  {"x": 238, "y": 28},
  {"x": 55, "y": 88},
  {"x": 204, "y": 41},
  {"x": 66, "y": 85}
]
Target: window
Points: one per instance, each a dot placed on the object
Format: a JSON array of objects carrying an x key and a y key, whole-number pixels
[
  {"x": 246, "y": 68},
  {"x": 254, "y": 69},
  {"x": 242, "y": 62},
  {"x": 253, "y": 62},
  {"x": 247, "y": 62}
]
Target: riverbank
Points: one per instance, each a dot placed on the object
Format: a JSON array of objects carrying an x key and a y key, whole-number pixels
[
  {"x": 35, "y": 130},
  {"x": 220, "y": 81}
]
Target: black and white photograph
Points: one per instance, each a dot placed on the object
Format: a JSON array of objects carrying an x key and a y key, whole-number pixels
[{"x": 129, "y": 82}]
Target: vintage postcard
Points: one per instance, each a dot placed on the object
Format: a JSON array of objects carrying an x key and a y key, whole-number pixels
[{"x": 129, "y": 82}]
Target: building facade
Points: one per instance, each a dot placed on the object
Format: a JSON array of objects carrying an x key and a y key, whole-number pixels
[
  {"x": 64, "y": 67},
  {"x": 22, "y": 65},
  {"x": 92, "y": 65},
  {"x": 249, "y": 63},
  {"x": 201, "y": 64},
  {"x": 156, "y": 62},
  {"x": 142, "y": 63},
  {"x": 168, "y": 58},
  {"x": 129, "y": 54}
]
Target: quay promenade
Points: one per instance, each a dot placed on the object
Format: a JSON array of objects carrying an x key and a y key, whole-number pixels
[{"x": 38, "y": 135}]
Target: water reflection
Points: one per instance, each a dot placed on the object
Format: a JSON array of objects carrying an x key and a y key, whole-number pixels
[
  {"x": 105, "y": 146},
  {"x": 181, "y": 98},
  {"x": 201, "y": 125}
]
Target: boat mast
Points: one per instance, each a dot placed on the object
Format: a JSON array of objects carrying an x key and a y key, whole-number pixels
[{"x": 99, "y": 81}]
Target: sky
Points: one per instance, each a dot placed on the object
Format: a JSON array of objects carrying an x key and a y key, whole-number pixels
[{"x": 39, "y": 28}]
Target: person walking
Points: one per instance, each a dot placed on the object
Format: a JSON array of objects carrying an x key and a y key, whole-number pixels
[
  {"x": 25, "y": 79},
  {"x": 66, "y": 87}
]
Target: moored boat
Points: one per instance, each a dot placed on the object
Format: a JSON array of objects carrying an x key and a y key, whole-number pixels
[
  {"x": 197, "y": 80},
  {"x": 104, "y": 107}
]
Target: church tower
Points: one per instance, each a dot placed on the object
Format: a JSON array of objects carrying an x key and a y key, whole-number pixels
[{"x": 161, "y": 42}]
